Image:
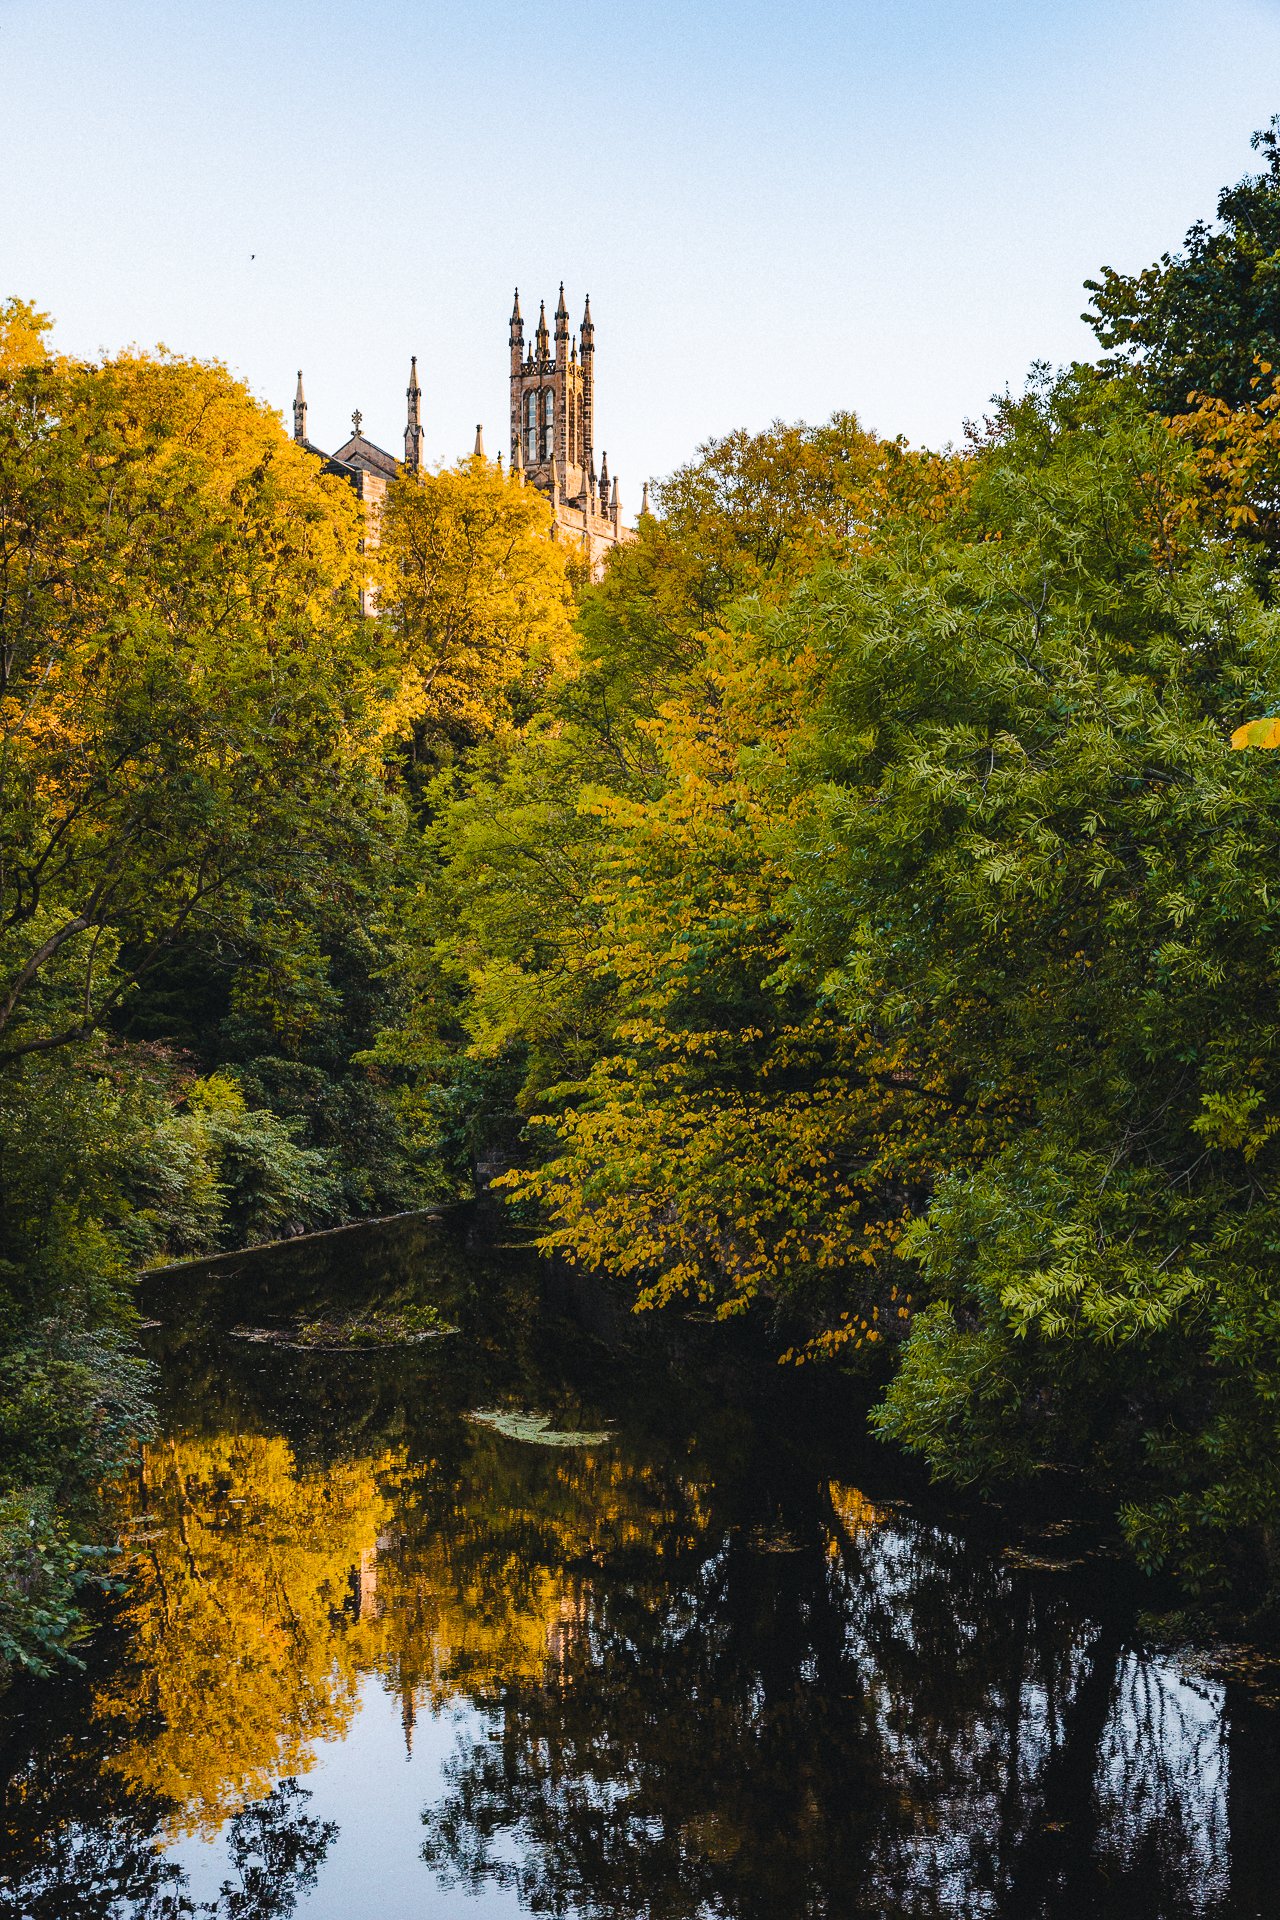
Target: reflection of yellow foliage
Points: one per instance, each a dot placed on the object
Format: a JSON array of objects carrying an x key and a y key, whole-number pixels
[
  {"x": 264, "y": 1589},
  {"x": 857, "y": 1515},
  {"x": 237, "y": 1668},
  {"x": 497, "y": 1586}
]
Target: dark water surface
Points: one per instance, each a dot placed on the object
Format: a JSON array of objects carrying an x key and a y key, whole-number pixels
[{"x": 375, "y": 1660}]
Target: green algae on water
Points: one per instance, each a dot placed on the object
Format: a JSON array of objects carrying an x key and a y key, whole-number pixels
[{"x": 536, "y": 1428}]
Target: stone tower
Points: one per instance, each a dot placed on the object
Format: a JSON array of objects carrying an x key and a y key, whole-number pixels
[{"x": 553, "y": 427}]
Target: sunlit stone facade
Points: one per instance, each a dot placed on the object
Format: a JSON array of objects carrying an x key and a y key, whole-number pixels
[{"x": 552, "y": 437}]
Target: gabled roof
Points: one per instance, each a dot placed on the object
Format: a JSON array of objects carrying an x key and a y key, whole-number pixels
[{"x": 363, "y": 454}]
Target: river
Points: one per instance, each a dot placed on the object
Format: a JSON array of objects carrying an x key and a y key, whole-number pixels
[{"x": 706, "y": 1653}]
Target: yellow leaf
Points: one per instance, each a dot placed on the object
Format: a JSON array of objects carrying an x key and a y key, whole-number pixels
[{"x": 1257, "y": 733}]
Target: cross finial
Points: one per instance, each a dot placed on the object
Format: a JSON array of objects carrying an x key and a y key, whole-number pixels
[{"x": 356, "y": 419}]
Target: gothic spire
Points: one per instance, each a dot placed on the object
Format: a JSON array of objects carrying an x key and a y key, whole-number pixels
[
  {"x": 604, "y": 479},
  {"x": 413, "y": 435},
  {"x": 478, "y": 449},
  {"x": 517, "y": 323},
  {"x": 562, "y": 321},
  {"x": 543, "y": 337},
  {"x": 587, "y": 329},
  {"x": 300, "y": 413}
]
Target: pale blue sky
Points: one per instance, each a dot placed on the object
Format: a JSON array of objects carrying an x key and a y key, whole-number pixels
[{"x": 883, "y": 204}]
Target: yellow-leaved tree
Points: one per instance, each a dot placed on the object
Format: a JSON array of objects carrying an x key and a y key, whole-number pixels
[
  {"x": 530, "y": 938},
  {"x": 189, "y": 700},
  {"x": 475, "y": 593},
  {"x": 735, "y": 1137}
]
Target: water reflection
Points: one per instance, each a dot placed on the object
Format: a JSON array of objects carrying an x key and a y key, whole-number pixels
[
  {"x": 882, "y": 1729},
  {"x": 246, "y": 1635},
  {"x": 703, "y": 1670}
]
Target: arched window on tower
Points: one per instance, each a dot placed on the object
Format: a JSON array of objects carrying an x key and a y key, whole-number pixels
[
  {"x": 531, "y": 429},
  {"x": 548, "y": 424},
  {"x": 571, "y": 426}
]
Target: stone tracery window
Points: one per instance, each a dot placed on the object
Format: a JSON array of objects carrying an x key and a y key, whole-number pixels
[
  {"x": 531, "y": 429},
  {"x": 548, "y": 424}
]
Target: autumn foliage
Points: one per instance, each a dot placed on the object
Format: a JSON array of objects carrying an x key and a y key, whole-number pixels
[{"x": 849, "y": 911}]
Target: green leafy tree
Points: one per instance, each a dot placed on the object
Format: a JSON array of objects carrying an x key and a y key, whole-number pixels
[
  {"x": 514, "y": 995},
  {"x": 1198, "y": 321},
  {"x": 1033, "y": 838}
]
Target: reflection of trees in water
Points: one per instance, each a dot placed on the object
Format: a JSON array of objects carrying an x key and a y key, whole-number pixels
[
  {"x": 242, "y": 1563},
  {"x": 895, "y": 1727},
  {"x": 713, "y": 1682},
  {"x": 264, "y": 1588},
  {"x": 105, "y": 1868},
  {"x": 749, "y": 1694},
  {"x": 276, "y": 1851}
]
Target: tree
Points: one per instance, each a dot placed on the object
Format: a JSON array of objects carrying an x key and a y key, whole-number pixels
[
  {"x": 1032, "y": 837},
  {"x": 731, "y": 1139},
  {"x": 1197, "y": 322},
  {"x": 188, "y": 703},
  {"x": 475, "y": 594},
  {"x": 191, "y": 723}
]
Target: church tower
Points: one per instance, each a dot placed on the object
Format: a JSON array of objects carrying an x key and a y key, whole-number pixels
[{"x": 553, "y": 426}]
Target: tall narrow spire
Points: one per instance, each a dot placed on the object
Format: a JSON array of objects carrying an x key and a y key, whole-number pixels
[
  {"x": 587, "y": 360},
  {"x": 300, "y": 413},
  {"x": 478, "y": 450},
  {"x": 413, "y": 435},
  {"x": 543, "y": 337},
  {"x": 644, "y": 501},
  {"x": 562, "y": 321},
  {"x": 517, "y": 337},
  {"x": 604, "y": 482}
]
